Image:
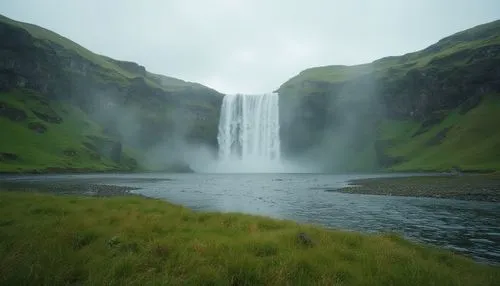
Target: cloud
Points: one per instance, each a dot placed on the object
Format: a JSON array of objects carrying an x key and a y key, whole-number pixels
[{"x": 251, "y": 46}]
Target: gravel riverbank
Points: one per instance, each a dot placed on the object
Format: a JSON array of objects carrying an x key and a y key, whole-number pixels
[
  {"x": 86, "y": 189},
  {"x": 477, "y": 187}
]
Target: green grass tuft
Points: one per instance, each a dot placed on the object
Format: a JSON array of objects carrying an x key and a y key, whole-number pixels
[{"x": 139, "y": 241}]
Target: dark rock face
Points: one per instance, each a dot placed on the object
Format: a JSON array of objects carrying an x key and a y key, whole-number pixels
[
  {"x": 8, "y": 157},
  {"x": 105, "y": 147},
  {"x": 130, "y": 66},
  {"x": 116, "y": 152},
  {"x": 70, "y": 153},
  {"x": 423, "y": 91},
  {"x": 427, "y": 93},
  {"x": 301, "y": 121},
  {"x": 50, "y": 117},
  {"x": 469, "y": 104},
  {"x": 12, "y": 113},
  {"x": 308, "y": 116},
  {"x": 384, "y": 160},
  {"x": 439, "y": 137}
]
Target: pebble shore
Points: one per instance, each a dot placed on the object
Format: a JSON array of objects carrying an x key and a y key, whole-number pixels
[{"x": 478, "y": 187}]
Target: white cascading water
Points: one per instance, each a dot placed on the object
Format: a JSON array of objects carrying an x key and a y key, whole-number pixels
[{"x": 249, "y": 134}]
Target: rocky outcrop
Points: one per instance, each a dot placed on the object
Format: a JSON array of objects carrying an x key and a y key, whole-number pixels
[
  {"x": 6, "y": 157},
  {"x": 105, "y": 147},
  {"x": 48, "y": 116},
  {"x": 12, "y": 113},
  {"x": 441, "y": 85},
  {"x": 38, "y": 127},
  {"x": 130, "y": 67}
]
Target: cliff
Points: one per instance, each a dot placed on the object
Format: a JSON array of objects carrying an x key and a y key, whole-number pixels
[
  {"x": 434, "y": 109},
  {"x": 63, "y": 107}
]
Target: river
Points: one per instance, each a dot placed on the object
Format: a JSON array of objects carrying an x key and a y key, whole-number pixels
[{"x": 468, "y": 227}]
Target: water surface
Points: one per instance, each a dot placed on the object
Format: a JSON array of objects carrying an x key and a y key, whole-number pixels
[{"x": 469, "y": 227}]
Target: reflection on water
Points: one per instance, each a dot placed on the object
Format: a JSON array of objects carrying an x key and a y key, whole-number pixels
[{"x": 468, "y": 227}]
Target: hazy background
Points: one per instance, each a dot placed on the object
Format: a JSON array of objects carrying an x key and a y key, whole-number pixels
[{"x": 251, "y": 46}]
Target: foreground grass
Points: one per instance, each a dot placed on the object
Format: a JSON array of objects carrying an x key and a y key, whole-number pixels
[{"x": 47, "y": 239}]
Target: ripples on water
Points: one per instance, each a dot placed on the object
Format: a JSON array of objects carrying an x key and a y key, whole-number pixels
[{"x": 468, "y": 227}]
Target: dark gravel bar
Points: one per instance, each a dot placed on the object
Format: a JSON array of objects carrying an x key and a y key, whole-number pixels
[
  {"x": 85, "y": 189},
  {"x": 473, "y": 187}
]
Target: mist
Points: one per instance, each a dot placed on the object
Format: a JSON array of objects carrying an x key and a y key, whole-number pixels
[
  {"x": 335, "y": 130},
  {"x": 317, "y": 133},
  {"x": 158, "y": 144}
]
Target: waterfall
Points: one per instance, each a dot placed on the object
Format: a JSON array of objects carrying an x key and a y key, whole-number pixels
[{"x": 249, "y": 133}]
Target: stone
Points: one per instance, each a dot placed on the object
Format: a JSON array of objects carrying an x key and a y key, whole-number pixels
[
  {"x": 304, "y": 239},
  {"x": 50, "y": 117},
  {"x": 8, "y": 157},
  {"x": 12, "y": 113},
  {"x": 114, "y": 241},
  {"x": 105, "y": 147},
  {"x": 70, "y": 152},
  {"x": 37, "y": 127}
]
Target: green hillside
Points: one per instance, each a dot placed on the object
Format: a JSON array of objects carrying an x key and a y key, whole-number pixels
[
  {"x": 116, "y": 69},
  {"x": 470, "y": 141},
  {"x": 452, "y": 50},
  {"x": 96, "y": 100},
  {"x": 433, "y": 109},
  {"x": 44, "y": 136}
]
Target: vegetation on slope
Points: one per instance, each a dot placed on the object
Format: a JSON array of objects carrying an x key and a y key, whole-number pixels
[
  {"x": 47, "y": 239},
  {"x": 115, "y": 68},
  {"x": 134, "y": 108},
  {"x": 40, "y": 135},
  {"x": 462, "y": 42},
  {"x": 464, "y": 140},
  {"x": 433, "y": 109}
]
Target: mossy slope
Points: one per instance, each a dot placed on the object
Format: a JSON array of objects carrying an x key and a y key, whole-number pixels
[
  {"x": 467, "y": 141},
  {"x": 135, "y": 108},
  {"x": 432, "y": 110},
  {"x": 449, "y": 51},
  {"x": 52, "y": 136}
]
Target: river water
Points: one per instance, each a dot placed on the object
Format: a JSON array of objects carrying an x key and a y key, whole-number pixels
[{"x": 468, "y": 227}]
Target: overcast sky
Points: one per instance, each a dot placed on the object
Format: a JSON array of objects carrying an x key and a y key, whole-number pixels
[{"x": 251, "y": 46}]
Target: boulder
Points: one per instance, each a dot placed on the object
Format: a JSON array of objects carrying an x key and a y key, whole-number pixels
[
  {"x": 12, "y": 113},
  {"x": 304, "y": 239},
  {"x": 38, "y": 127},
  {"x": 8, "y": 157}
]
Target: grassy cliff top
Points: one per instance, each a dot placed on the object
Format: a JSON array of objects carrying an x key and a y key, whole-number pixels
[
  {"x": 118, "y": 68},
  {"x": 59, "y": 240},
  {"x": 477, "y": 37}
]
